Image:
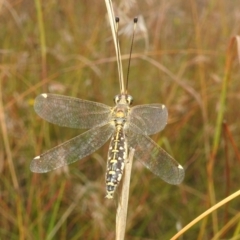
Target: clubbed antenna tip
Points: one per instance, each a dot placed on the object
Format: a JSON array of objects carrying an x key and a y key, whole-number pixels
[{"x": 130, "y": 55}]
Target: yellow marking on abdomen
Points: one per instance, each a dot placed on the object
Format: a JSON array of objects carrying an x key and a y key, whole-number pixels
[
  {"x": 115, "y": 150},
  {"x": 113, "y": 161}
]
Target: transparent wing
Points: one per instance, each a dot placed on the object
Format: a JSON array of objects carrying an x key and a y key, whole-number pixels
[
  {"x": 71, "y": 112},
  {"x": 155, "y": 158},
  {"x": 150, "y": 118},
  {"x": 72, "y": 150}
]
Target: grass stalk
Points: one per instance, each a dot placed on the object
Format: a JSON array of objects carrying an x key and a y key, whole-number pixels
[
  {"x": 201, "y": 73},
  {"x": 222, "y": 100},
  {"x": 64, "y": 217},
  {"x": 231, "y": 139},
  {"x": 20, "y": 219},
  {"x": 121, "y": 217},
  {"x": 56, "y": 207},
  {"x": 202, "y": 77},
  {"x": 42, "y": 38},
  {"x": 218, "y": 129},
  {"x": 228, "y": 226},
  {"x": 6, "y": 140},
  {"x": 206, "y": 213},
  {"x": 113, "y": 26},
  {"x": 216, "y": 141}
]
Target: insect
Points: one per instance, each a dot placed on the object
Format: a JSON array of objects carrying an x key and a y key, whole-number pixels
[{"x": 126, "y": 126}]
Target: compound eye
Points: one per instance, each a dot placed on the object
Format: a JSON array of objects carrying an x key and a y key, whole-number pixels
[
  {"x": 116, "y": 99},
  {"x": 129, "y": 99}
]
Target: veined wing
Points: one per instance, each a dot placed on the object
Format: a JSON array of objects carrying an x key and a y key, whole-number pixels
[
  {"x": 71, "y": 112},
  {"x": 155, "y": 158},
  {"x": 72, "y": 150},
  {"x": 150, "y": 118}
]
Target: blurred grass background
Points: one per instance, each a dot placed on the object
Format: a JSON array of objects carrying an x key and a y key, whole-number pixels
[{"x": 178, "y": 59}]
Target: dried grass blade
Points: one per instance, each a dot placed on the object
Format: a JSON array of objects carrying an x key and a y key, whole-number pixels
[{"x": 123, "y": 200}]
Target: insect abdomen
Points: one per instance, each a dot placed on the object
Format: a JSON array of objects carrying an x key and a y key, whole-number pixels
[{"x": 117, "y": 155}]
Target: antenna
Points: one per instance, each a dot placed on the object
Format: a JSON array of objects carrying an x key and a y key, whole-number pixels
[
  {"x": 131, "y": 48},
  {"x": 118, "y": 55}
]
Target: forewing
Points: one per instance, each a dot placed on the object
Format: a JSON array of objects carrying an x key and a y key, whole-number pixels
[
  {"x": 71, "y": 112},
  {"x": 72, "y": 150},
  {"x": 150, "y": 118},
  {"x": 155, "y": 158}
]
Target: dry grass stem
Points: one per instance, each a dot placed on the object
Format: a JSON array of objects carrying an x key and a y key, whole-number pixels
[
  {"x": 203, "y": 215},
  {"x": 121, "y": 217},
  {"x": 219, "y": 120},
  {"x": 113, "y": 26},
  {"x": 6, "y": 141}
]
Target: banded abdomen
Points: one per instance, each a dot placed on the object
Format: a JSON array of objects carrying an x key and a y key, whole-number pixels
[{"x": 117, "y": 155}]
